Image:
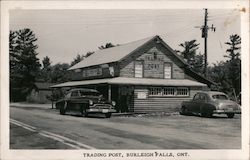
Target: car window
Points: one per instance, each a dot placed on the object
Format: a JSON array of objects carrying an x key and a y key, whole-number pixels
[
  {"x": 68, "y": 95},
  {"x": 202, "y": 97},
  {"x": 74, "y": 94},
  {"x": 88, "y": 93},
  {"x": 197, "y": 97},
  {"x": 220, "y": 96}
]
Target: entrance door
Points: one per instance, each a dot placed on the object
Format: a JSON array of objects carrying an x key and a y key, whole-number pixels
[{"x": 126, "y": 95}]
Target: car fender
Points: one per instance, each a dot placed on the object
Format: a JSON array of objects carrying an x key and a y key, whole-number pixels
[{"x": 207, "y": 108}]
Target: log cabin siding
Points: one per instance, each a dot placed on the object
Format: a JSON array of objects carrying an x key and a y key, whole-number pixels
[{"x": 162, "y": 104}]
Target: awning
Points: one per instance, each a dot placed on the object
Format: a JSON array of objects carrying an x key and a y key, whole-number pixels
[{"x": 133, "y": 81}]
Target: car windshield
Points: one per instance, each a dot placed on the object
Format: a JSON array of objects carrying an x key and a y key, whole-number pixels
[
  {"x": 89, "y": 93},
  {"x": 220, "y": 97}
]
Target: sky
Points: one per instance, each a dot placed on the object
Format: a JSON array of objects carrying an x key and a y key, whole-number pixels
[{"x": 62, "y": 34}]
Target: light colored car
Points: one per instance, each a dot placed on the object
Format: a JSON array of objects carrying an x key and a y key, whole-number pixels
[{"x": 208, "y": 103}]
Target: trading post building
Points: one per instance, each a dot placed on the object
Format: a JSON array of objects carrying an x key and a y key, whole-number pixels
[{"x": 141, "y": 76}]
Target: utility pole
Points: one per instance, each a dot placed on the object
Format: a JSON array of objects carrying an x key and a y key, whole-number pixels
[
  {"x": 204, "y": 35},
  {"x": 205, "y": 42}
]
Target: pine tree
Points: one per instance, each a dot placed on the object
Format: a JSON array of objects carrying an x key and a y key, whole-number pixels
[
  {"x": 196, "y": 62},
  {"x": 24, "y": 65},
  {"x": 234, "y": 62}
]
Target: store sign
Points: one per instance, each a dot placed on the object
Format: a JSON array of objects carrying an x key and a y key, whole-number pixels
[
  {"x": 92, "y": 72},
  {"x": 141, "y": 95},
  {"x": 153, "y": 61}
]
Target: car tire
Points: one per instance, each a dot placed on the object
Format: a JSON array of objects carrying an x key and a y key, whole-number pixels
[
  {"x": 183, "y": 111},
  {"x": 108, "y": 115},
  {"x": 230, "y": 115}
]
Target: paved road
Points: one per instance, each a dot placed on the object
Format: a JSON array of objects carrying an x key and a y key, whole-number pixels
[{"x": 33, "y": 128}]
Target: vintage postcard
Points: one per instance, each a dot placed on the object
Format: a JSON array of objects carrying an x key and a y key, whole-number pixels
[{"x": 128, "y": 80}]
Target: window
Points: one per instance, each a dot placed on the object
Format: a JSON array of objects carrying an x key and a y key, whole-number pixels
[
  {"x": 167, "y": 70},
  {"x": 182, "y": 91},
  {"x": 138, "y": 69},
  {"x": 155, "y": 91},
  {"x": 220, "y": 96},
  {"x": 168, "y": 91},
  {"x": 197, "y": 97},
  {"x": 74, "y": 94}
]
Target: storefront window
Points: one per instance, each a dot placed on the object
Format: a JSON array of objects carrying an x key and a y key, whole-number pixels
[
  {"x": 168, "y": 91},
  {"x": 182, "y": 91},
  {"x": 138, "y": 69}
]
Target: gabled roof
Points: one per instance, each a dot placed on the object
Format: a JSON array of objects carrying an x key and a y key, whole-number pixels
[
  {"x": 112, "y": 54},
  {"x": 120, "y": 52},
  {"x": 133, "y": 81}
]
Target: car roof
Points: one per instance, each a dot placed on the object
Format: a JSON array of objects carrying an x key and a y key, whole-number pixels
[
  {"x": 211, "y": 92},
  {"x": 83, "y": 89}
]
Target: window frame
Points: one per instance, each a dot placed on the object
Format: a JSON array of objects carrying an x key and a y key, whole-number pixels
[
  {"x": 162, "y": 92},
  {"x": 142, "y": 72},
  {"x": 171, "y": 70}
]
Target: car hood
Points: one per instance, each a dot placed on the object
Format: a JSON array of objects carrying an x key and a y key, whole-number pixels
[{"x": 96, "y": 99}]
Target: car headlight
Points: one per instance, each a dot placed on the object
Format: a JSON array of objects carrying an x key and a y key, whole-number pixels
[
  {"x": 91, "y": 102},
  {"x": 113, "y": 103}
]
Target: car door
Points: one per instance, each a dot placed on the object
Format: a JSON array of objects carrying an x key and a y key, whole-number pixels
[
  {"x": 201, "y": 103},
  {"x": 73, "y": 100},
  {"x": 195, "y": 102}
]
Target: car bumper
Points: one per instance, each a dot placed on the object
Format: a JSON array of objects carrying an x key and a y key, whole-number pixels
[
  {"x": 227, "y": 111},
  {"x": 97, "y": 110}
]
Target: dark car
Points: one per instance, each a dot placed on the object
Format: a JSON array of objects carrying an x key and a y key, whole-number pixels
[
  {"x": 86, "y": 101},
  {"x": 208, "y": 103}
]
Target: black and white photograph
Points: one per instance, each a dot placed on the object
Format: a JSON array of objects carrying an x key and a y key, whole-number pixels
[{"x": 140, "y": 81}]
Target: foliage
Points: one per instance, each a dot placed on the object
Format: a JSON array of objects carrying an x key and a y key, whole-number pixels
[
  {"x": 46, "y": 63},
  {"x": 195, "y": 61},
  {"x": 228, "y": 74},
  {"x": 78, "y": 59},
  {"x": 107, "y": 45},
  {"x": 234, "y": 62},
  {"x": 59, "y": 73},
  {"x": 24, "y": 65},
  {"x": 88, "y": 54}
]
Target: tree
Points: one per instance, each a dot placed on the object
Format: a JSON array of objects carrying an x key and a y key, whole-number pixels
[
  {"x": 24, "y": 65},
  {"x": 46, "y": 63},
  {"x": 107, "y": 45},
  {"x": 78, "y": 59},
  {"x": 189, "y": 50},
  {"x": 88, "y": 54},
  {"x": 45, "y": 72},
  {"x": 234, "y": 62},
  {"x": 188, "y": 53},
  {"x": 60, "y": 73}
]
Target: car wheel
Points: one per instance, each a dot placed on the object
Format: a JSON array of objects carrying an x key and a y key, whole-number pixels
[
  {"x": 183, "y": 110},
  {"x": 230, "y": 115},
  {"x": 108, "y": 115}
]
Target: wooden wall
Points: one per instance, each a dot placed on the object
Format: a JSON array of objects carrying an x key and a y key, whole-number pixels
[
  {"x": 104, "y": 73},
  {"x": 126, "y": 66},
  {"x": 159, "y": 104}
]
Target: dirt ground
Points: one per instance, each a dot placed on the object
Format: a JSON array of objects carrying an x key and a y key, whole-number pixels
[{"x": 168, "y": 131}]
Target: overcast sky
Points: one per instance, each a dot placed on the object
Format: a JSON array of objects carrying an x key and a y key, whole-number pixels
[{"x": 62, "y": 34}]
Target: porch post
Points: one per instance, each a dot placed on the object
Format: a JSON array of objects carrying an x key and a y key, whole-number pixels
[{"x": 109, "y": 92}]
